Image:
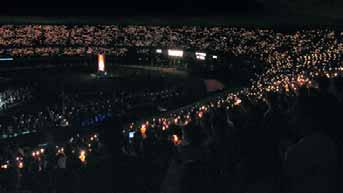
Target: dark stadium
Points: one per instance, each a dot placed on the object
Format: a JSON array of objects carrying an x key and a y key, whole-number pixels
[{"x": 171, "y": 96}]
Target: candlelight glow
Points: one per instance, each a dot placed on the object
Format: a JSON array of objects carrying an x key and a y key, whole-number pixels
[
  {"x": 143, "y": 129},
  {"x": 200, "y": 114},
  {"x": 175, "y": 139},
  {"x": 60, "y": 151},
  {"x": 238, "y": 101},
  {"x": 82, "y": 156}
]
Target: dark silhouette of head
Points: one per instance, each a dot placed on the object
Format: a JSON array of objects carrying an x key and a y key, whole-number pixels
[
  {"x": 323, "y": 83},
  {"x": 339, "y": 82},
  {"x": 193, "y": 134},
  {"x": 220, "y": 125},
  {"x": 271, "y": 99},
  {"x": 339, "y": 85},
  {"x": 308, "y": 115},
  {"x": 302, "y": 91},
  {"x": 111, "y": 134}
]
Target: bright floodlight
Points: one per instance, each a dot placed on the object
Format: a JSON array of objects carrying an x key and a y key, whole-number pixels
[
  {"x": 200, "y": 55},
  {"x": 159, "y": 51},
  {"x": 101, "y": 62},
  {"x": 177, "y": 53},
  {"x": 6, "y": 59},
  {"x": 214, "y": 57}
]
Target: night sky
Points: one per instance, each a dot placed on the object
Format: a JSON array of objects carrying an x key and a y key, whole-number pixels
[
  {"x": 129, "y": 7},
  {"x": 169, "y": 8}
]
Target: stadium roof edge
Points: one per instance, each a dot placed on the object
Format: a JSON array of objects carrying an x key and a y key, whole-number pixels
[{"x": 234, "y": 20}]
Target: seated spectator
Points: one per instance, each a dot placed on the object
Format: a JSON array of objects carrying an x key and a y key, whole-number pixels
[
  {"x": 311, "y": 163},
  {"x": 223, "y": 152},
  {"x": 190, "y": 152},
  {"x": 260, "y": 164}
]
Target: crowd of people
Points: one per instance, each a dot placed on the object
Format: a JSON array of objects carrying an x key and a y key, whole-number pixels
[
  {"x": 285, "y": 55},
  {"x": 14, "y": 96},
  {"x": 54, "y": 167},
  {"x": 83, "y": 110},
  {"x": 278, "y": 135},
  {"x": 60, "y": 165},
  {"x": 26, "y": 40},
  {"x": 292, "y": 63},
  {"x": 284, "y": 143}
]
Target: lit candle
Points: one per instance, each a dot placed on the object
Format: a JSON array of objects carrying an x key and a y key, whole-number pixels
[
  {"x": 82, "y": 156},
  {"x": 175, "y": 139},
  {"x": 20, "y": 165},
  {"x": 143, "y": 130}
]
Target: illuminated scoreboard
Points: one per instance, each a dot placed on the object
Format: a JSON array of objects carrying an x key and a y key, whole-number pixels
[{"x": 101, "y": 63}]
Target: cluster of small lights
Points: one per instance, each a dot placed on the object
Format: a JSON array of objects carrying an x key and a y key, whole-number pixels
[
  {"x": 185, "y": 116},
  {"x": 291, "y": 61},
  {"x": 285, "y": 72},
  {"x": 200, "y": 55},
  {"x": 38, "y": 153}
]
